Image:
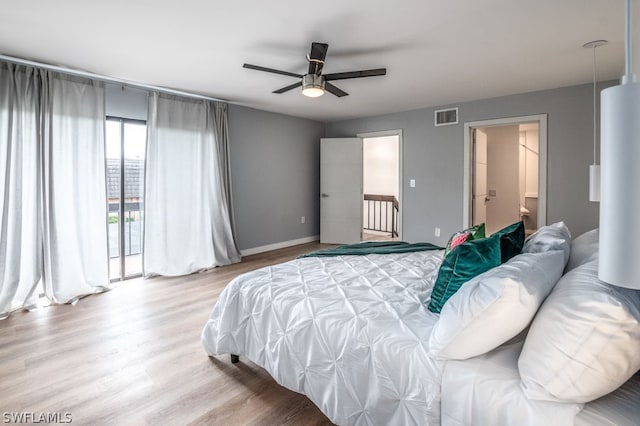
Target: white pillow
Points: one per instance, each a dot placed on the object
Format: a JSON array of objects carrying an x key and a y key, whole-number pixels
[
  {"x": 495, "y": 306},
  {"x": 585, "y": 340},
  {"x": 583, "y": 249},
  {"x": 550, "y": 237}
]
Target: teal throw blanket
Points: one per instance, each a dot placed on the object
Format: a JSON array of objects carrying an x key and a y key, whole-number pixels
[{"x": 373, "y": 247}]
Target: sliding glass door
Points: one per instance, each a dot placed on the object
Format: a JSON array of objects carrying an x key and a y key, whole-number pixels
[{"x": 126, "y": 141}]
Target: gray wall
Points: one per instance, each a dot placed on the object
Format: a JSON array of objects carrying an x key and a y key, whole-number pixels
[
  {"x": 275, "y": 176},
  {"x": 434, "y": 157}
]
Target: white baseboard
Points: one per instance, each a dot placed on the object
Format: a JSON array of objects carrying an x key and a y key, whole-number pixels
[{"x": 276, "y": 246}]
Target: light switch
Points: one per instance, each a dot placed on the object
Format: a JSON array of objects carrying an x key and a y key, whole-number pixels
[{"x": 412, "y": 183}]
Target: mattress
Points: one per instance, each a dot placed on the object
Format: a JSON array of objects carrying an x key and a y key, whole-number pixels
[
  {"x": 350, "y": 332},
  {"x": 486, "y": 391}
]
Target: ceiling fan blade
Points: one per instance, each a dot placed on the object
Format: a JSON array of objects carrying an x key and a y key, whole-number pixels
[
  {"x": 334, "y": 90},
  {"x": 355, "y": 74},
  {"x": 289, "y": 87},
  {"x": 259, "y": 68},
  {"x": 316, "y": 57}
]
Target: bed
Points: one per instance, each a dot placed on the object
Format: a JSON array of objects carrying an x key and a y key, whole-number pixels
[
  {"x": 492, "y": 380},
  {"x": 354, "y": 335}
]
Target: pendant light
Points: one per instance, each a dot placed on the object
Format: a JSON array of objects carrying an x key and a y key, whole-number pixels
[
  {"x": 594, "y": 169},
  {"x": 619, "y": 262}
]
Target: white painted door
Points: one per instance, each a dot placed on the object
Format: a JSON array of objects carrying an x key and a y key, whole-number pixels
[
  {"x": 340, "y": 190},
  {"x": 480, "y": 166}
]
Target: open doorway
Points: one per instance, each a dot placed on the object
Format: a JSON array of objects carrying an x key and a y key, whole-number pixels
[
  {"x": 344, "y": 212},
  {"x": 506, "y": 173},
  {"x": 381, "y": 187},
  {"x": 125, "y": 151}
]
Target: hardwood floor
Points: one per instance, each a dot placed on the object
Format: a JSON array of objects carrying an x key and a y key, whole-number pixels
[{"x": 133, "y": 356}]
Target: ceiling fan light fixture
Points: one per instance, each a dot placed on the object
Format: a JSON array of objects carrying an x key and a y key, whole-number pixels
[{"x": 313, "y": 85}]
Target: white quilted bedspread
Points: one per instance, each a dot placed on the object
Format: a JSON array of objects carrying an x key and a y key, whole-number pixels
[{"x": 350, "y": 332}]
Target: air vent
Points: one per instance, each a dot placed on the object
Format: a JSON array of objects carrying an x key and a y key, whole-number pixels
[{"x": 446, "y": 117}]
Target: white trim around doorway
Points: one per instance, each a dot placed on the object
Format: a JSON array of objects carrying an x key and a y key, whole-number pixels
[{"x": 541, "y": 119}]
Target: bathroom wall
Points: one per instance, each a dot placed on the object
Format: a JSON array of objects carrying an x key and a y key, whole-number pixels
[
  {"x": 381, "y": 158},
  {"x": 528, "y": 174}
]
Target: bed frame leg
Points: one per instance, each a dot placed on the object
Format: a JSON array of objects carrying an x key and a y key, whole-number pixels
[{"x": 234, "y": 358}]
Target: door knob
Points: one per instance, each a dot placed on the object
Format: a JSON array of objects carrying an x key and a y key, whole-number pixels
[{"x": 323, "y": 195}]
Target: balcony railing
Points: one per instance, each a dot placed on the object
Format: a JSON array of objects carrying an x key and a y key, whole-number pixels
[
  {"x": 133, "y": 229},
  {"x": 381, "y": 213}
]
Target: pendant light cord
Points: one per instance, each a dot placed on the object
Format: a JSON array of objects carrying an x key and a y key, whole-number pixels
[
  {"x": 594, "y": 106},
  {"x": 593, "y": 45},
  {"x": 628, "y": 76}
]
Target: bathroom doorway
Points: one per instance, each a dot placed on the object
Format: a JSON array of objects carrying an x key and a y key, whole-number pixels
[{"x": 506, "y": 173}]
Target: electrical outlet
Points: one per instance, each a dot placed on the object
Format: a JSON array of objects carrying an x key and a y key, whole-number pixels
[
  {"x": 303, "y": 219},
  {"x": 437, "y": 232}
]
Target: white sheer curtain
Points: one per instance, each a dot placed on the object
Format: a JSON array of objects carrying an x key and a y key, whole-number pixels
[
  {"x": 187, "y": 222},
  {"x": 52, "y": 188},
  {"x": 20, "y": 221},
  {"x": 75, "y": 199}
]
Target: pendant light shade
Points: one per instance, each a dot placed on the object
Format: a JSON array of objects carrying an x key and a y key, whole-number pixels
[
  {"x": 620, "y": 197},
  {"x": 594, "y": 182},
  {"x": 619, "y": 262}
]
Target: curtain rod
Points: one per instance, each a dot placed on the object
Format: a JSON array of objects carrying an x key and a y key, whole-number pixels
[{"x": 105, "y": 78}]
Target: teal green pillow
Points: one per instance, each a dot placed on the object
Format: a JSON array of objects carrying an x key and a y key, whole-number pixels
[
  {"x": 462, "y": 264},
  {"x": 511, "y": 240}
]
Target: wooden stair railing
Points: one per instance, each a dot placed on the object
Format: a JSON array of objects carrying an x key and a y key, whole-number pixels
[{"x": 380, "y": 210}]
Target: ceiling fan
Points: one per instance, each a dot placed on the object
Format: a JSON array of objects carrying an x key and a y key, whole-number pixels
[{"x": 314, "y": 83}]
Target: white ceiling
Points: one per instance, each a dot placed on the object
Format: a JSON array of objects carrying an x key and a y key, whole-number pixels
[{"x": 436, "y": 52}]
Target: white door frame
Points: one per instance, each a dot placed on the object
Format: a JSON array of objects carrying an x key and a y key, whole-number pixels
[
  {"x": 541, "y": 119},
  {"x": 395, "y": 132}
]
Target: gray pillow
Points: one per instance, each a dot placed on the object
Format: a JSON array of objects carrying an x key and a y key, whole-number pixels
[
  {"x": 583, "y": 249},
  {"x": 550, "y": 237}
]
